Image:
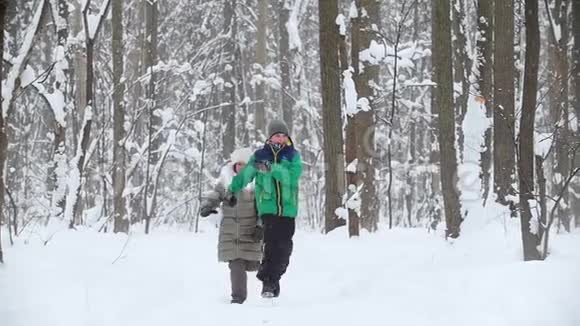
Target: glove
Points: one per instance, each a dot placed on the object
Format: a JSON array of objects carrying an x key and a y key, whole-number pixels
[
  {"x": 207, "y": 211},
  {"x": 230, "y": 199},
  {"x": 264, "y": 166},
  {"x": 258, "y": 234}
]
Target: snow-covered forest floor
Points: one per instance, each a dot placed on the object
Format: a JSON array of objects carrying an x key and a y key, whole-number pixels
[{"x": 398, "y": 277}]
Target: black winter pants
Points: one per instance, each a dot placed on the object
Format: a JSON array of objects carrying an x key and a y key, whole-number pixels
[{"x": 278, "y": 233}]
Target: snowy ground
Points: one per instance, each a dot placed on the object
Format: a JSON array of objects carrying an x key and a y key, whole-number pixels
[{"x": 401, "y": 277}]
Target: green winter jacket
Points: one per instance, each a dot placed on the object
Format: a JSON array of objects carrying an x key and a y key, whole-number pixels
[{"x": 276, "y": 191}]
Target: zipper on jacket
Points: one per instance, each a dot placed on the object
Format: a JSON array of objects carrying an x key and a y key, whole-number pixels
[{"x": 278, "y": 190}]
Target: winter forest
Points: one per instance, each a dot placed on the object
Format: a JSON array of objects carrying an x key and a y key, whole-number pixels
[{"x": 439, "y": 142}]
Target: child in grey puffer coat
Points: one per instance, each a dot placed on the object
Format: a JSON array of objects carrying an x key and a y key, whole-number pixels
[{"x": 240, "y": 232}]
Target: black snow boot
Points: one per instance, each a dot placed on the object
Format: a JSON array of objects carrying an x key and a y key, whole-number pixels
[
  {"x": 276, "y": 289},
  {"x": 268, "y": 289},
  {"x": 271, "y": 289}
]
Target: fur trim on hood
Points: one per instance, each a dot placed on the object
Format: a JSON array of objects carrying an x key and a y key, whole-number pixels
[{"x": 241, "y": 155}]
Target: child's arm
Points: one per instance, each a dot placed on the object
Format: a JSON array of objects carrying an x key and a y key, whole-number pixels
[{"x": 245, "y": 176}]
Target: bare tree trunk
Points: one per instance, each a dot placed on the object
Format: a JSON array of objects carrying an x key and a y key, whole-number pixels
[
  {"x": 230, "y": 85},
  {"x": 261, "y": 59},
  {"x": 85, "y": 136},
  {"x": 351, "y": 155},
  {"x": 526, "y": 138},
  {"x": 121, "y": 220},
  {"x": 462, "y": 69},
  {"x": 410, "y": 178},
  {"x": 409, "y": 196},
  {"x": 80, "y": 74},
  {"x": 350, "y": 146},
  {"x": 244, "y": 135},
  {"x": 391, "y": 128},
  {"x": 3, "y": 140},
  {"x": 285, "y": 59},
  {"x": 575, "y": 199},
  {"x": 62, "y": 65},
  {"x": 139, "y": 116},
  {"x": 541, "y": 181},
  {"x": 444, "y": 97},
  {"x": 558, "y": 98},
  {"x": 331, "y": 113},
  {"x": 434, "y": 178},
  {"x": 519, "y": 53},
  {"x": 485, "y": 69},
  {"x": 352, "y": 177},
  {"x": 154, "y": 123},
  {"x": 102, "y": 168},
  {"x": 504, "y": 74},
  {"x": 364, "y": 81},
  {"x": 73, "y": 203}
]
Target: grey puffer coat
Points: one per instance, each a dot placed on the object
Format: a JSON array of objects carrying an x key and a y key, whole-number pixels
[{"x": 238, "y": 223}]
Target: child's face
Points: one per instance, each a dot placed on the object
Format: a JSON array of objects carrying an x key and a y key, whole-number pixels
[
  {"x": 239, "y": 166},
  {"x": 279, "y": 139}
]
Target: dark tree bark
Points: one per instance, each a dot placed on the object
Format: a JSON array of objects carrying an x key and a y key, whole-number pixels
[
  {"x": 230, "y": 86},
  {"x": 363, "y": 128},
  {"x": 462, "y": 69},
  {"x": 285, "y": 60},
  {"x": 541, "y": 182},
  {"x": 3, "y": 7},
  {"x": 154, "y": 123},
  {"x": 80, "y": 75},
  {"x": 485, "y": 80},
  {"x": 575, "y": 200},
  {"x": 350, "y": 144},
  {"x": 331, "y": 113},
  {"x": 526, "y": 138},
  {"x": 352, "y": 179},
  {"x": 242, "y": 92},
  {"x": 410, "y": 194},
  {"x": 60, "y": 16},
  {"x": 433, "y": 180},
  {"x": 352, "y": 175},
  {"x": 89, "y": 110},
  {"x": 576, "y": 56},
  {"x": 558, "y": 99},
  {"x": 367, "y": 150},
  {"x": 503, "y": 118},
  {"x": 444, "y": 101},
  {"x": 138, "y": 108},
  {"x": 121, "y": 221},
  {"x": 261, "y": 59},
  {"x": 409, "y": 197}
]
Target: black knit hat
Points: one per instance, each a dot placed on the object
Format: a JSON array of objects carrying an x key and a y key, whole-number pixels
[{"x": 277, "y": 127}]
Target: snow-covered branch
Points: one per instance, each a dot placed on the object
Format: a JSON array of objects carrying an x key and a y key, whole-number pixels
[{"x": 11, "y": 84}]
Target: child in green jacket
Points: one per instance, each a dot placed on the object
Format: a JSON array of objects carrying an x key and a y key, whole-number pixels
[{"x": 276, "y": 169}]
